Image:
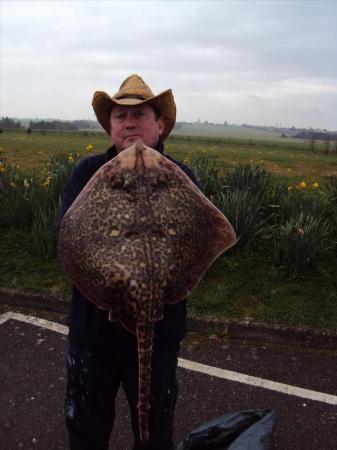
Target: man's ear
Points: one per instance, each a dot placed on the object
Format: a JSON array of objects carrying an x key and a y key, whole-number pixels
[{"x": 161, "y": 124}]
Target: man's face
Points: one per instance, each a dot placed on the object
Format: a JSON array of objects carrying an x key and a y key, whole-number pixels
[{"x": 130, "y": 124}]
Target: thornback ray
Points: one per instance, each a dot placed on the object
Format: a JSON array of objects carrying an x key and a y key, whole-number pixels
[{"x": 138, "y": 236}]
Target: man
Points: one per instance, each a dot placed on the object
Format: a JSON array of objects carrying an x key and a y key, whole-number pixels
[{"x": 102, "y": 354}]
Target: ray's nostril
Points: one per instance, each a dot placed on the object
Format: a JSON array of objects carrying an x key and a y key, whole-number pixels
[{"x": 158, "y": 234}]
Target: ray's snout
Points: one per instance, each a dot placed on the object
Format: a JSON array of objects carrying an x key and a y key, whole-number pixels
[
  {"x": 139, "y": 161},
  {"x": 139, "y": 157}
]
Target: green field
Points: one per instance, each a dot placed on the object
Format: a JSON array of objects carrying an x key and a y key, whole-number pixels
[
  {"x": 288, "y": 161},
  {"x": 241, "y": 284},
  {"x": 235, "y": 132}
]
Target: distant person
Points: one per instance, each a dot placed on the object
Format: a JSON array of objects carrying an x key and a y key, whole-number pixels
[{"x": 102, "y": 354}]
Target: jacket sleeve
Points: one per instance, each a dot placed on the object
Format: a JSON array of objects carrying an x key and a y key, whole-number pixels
[
  {"x": 74, "y": 186},
  {"x": 189, "y": 172}
]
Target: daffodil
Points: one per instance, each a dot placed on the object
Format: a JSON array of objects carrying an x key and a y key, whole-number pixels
[
  {"x": 290, "y": 188},
  {"x": 186, "y": 161},
  {"x": 89, "y": 148},
  {"x": 302, "y": 185},
  {"x": 315, "y": 185},
  {"x": 70, "y": 158}
]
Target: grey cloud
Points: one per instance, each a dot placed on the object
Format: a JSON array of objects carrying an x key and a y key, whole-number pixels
[{"x": 223, "y": 56}]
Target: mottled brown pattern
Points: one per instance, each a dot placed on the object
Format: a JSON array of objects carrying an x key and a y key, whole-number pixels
[{"x": 140, "y": 235}]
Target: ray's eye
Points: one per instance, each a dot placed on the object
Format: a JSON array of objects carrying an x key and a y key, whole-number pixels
[
  {"x": 131, "y": 234},
  {"x": 117, "y": 182}
]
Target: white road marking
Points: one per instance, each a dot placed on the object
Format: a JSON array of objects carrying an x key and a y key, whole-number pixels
[
  {"x": 258, "y": 382},
  {"x": 34, "y": 321},
  {"x": 6, "y": 316},
  {"x": 197, "y": 367}
]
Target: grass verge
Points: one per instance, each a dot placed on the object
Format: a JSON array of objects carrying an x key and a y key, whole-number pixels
[{"x": 238, "y": 285}]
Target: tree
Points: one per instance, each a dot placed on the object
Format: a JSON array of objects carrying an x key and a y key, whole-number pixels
[
  {"x": 327, "y": 145},
  {"x": 312, "y": 142},
  {"x": 9, "y": 124}
]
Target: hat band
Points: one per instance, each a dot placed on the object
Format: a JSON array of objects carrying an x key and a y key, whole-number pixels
[{"x": 138, "y": 97}]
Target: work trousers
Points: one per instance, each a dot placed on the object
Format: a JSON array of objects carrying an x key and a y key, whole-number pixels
[{"x": 96, "y": 369}]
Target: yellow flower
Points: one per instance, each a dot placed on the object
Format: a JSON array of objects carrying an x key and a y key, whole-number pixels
[
  {"x": 2, "y": 169},
  {"x": 186, "y": 161},
  {"x": 70, "y": 158},
  {"x": 302, "y": 185},
  {"x": 47, "y": 181},
  {"x": 315, "y": 185},
  {"x": 290, "y": 188},
  {"x": 300, "y": 231},
  {"x": 89, "y": 148}
]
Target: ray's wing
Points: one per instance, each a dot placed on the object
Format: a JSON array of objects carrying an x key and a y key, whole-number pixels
[{"x": 196, "y": 233}]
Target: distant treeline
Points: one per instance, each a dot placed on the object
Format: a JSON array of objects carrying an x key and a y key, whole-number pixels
[
  {"x": 316, "y": 135},
  {"x": 53, "y": 125},
  {"x": 9, "y": 124},
  {"x": 6, "y": 123}
]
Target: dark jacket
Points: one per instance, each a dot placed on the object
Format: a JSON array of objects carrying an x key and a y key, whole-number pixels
[{"x": 172, "y": 328}]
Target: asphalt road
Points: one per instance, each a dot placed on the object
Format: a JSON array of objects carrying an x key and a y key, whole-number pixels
[{"x": 33, "y": 377}]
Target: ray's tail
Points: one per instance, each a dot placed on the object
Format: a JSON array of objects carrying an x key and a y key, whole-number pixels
[{"x": 145, "y": 339}]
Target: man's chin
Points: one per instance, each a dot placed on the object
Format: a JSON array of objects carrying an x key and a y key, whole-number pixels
[{"x": 131, "y": 140}]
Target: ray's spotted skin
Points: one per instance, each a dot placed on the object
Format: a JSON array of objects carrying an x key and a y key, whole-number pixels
[{"x": 138, "y": 236}]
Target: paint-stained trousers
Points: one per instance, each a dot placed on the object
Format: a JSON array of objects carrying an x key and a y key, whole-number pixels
[{"x": 96, "y": 369}]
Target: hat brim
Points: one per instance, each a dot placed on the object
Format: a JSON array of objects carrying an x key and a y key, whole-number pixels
[{"x": 163, "y": 103}]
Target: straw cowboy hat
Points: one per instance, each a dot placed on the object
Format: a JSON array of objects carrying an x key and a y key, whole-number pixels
[{"x": 134, "y": 91}]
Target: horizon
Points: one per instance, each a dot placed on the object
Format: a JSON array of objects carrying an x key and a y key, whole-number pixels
[
  {"x": 258, "y": 63},
  {"x": 206, "y": 122}
]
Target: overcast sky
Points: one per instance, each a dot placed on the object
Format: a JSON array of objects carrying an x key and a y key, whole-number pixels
[{"x": 269, "y": 62}]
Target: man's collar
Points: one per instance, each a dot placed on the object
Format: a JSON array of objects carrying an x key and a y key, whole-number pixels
[{"x": 112, "y": 152}]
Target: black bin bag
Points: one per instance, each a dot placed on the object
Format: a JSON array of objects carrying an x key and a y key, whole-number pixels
[{"x": 244, "y": 430}]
